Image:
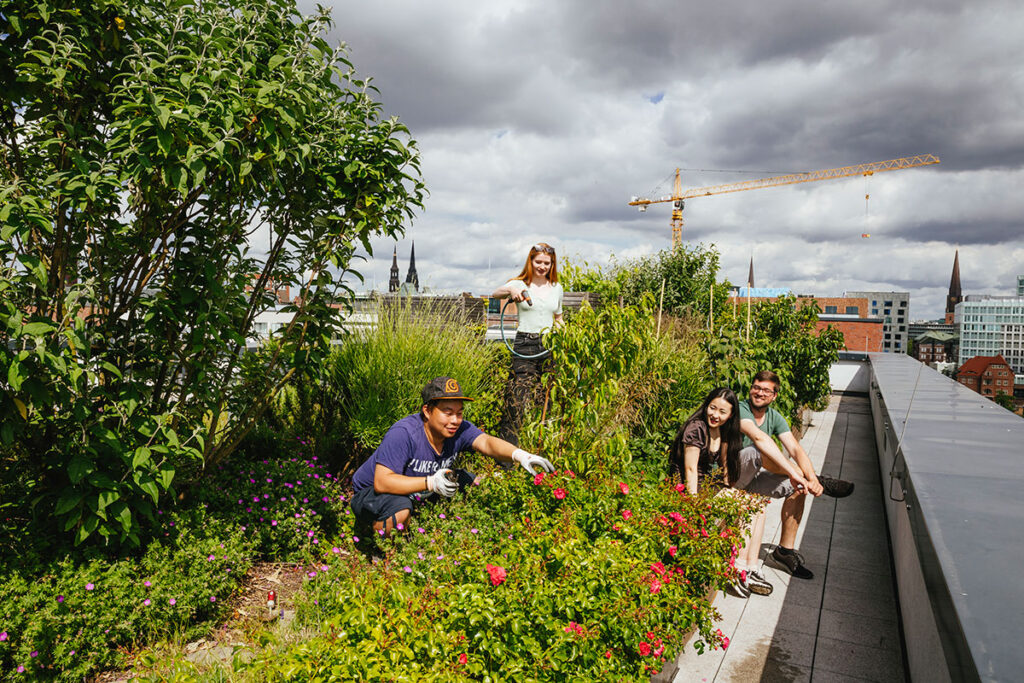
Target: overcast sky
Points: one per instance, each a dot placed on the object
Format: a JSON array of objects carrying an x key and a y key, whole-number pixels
[{"x": 539, "y": 120}]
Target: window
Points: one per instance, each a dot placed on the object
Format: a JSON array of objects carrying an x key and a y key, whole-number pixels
[
  {"x": 831, "y": 309},
  {"x": 852, "y": 310},
  {"x": 887, "y": 311},
  {"x": 888, "y": 303}
]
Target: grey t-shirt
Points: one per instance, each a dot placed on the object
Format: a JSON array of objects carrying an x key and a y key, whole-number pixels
[{"x": 774, "y": 424}]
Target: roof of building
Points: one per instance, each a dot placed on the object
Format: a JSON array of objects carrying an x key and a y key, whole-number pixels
[
  {"x": 978, "y": 364},
  {"x": 935, "y": 335}
]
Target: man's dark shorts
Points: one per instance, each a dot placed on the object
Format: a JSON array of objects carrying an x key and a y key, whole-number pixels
[{"x": 370, "y": 506}]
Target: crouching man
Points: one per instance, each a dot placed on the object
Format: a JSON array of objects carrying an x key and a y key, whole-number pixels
[{"x": 414, "y": 460}]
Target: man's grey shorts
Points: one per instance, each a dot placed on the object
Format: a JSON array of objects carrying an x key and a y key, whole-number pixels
[{"x": 756, "y": 479}]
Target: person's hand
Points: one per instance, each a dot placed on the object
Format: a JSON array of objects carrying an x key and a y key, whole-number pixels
[
  {"x": 799, "y": 483},
  {"x": 814, "y": 486},
  {"x": 529, "y": 461},
  {"x": 439, "y": 483}
]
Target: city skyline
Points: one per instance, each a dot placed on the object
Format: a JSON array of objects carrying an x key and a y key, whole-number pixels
[{"x": 538, "y": 123}]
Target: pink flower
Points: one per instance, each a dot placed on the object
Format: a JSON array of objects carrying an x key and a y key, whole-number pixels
[
  {"x": 704, "y": 533},
  {"x": 89, "y": 586},
  {"x": 672, "y": 550},
  {"x": 644, "y": 648},
  {"x": 725, "y": 643},
  {"x": 463, "y": 659},
  {"x": 607, "y": 654},
  {"x": 211, "y": 558},
  {"x": 655, "y": 586},
  {"x": 146, "y": 602},
  {"x": 538, "y": 479},
  {"x": 172, "y": 602},
  {"x": 3, "y": 636},
  {"x": 658, "y": 568},
  {"x": 497, "y": 574},
  {"x": 559, "y": 494},
  {"x": 627, "y": 514},
  {"x": 675, "y": 516},
  {"x": 680, "y": 488},
  {"x": 213, "y": 598},
  {"x": 624, "y": 488},
  {"x": 657, "y": 653}
]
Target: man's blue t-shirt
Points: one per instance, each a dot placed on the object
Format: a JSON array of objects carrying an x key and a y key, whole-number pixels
[{"x": 405, "y": 450}]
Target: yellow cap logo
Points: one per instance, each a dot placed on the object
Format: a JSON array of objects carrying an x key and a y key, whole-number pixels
[{"x": 452, "y": 387}]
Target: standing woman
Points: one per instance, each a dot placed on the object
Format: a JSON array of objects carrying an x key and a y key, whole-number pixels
[
  {"x": 538, "y": 298},
  {"x": 708, "y": 445}
]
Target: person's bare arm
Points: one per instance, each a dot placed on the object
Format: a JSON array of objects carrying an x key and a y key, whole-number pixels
[
  {"x": 691, "y": 454},
  {"x": 769, "y": 450},
  {"x": 513, "y": 289},
  {"x": 797, "y": 452}
]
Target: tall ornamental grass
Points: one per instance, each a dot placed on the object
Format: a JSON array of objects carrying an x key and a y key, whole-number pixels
[{"x": 374, "y": 376}]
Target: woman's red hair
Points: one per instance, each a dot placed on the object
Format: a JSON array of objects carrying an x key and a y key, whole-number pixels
[{"x": 526, "y": 274}]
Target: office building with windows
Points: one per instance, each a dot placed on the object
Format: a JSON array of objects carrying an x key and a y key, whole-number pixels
[
  {"x": 894, "y": 309},
  {"x": 992, "y": 326}
]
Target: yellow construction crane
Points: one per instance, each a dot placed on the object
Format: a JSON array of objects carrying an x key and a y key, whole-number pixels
[{"x": 678, "y": 196}]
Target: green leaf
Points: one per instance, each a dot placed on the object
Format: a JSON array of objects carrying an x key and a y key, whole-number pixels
[
  {"x": 106, "y": 498},
  {"x": 68, "y": 500},
  {"x": 275, "y": 61},
  {"x": 141, "y": 457},
  {"x": 166, "y": 476},
  {"x": 163, "y": 114},
  {"x": 79, "y": 467},
  {"x": 37, "y": 329}
]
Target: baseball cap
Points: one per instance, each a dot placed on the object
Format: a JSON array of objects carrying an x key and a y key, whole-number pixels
[{"x": 442, "y": 388}]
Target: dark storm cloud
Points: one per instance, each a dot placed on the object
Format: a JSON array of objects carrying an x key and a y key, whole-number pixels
[{"x": 956, "y": 232}]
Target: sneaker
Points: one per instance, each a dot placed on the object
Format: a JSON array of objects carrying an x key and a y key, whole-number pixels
[
  {"x": 758, "y": 584},
  {"x": 837, "y": 488},
  {"x": 740, "y": 586},
  {"x": 791, "y": 561}
]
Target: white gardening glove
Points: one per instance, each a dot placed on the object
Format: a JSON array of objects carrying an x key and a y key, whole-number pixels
[
  {"x": 439, "y": 484},
  {"x": 529, "y": 461}
]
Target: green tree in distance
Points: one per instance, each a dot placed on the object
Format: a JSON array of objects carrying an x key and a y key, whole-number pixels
[{"x": 145, "y": 148}]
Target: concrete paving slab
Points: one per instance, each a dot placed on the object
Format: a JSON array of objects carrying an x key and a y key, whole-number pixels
[
  {"x": 853, "y": 628},
  {"x": 860, "y": 661}
]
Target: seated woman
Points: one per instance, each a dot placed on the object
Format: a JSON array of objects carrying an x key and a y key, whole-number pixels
[{"x": 708, "y": 446}]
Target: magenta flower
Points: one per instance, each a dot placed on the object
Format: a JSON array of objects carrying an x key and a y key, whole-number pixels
[
  {"x": 60, "y": 598},
  {"x": 147, "y": 584},
  {"x": 213, "y": 598},
  {"x": 559, "y": 494},
  {"x": 3, "y": 636},
  {"x": 273, "y": 522},
  {"x": 146, "y": 602},
  {"x": 172, "y": 601},
  {"x": 627, "y": 514},
  {"x": 89, "y": 586},
  {"x": 35, "y": 653},
  {"x": 211, "y": 558},
  {"x": 407, "y": 569}
]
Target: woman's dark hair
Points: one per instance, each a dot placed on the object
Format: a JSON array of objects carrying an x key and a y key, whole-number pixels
[{"x": 730, "y": 431}]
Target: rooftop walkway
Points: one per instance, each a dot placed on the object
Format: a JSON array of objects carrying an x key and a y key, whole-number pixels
[{"x": 842, "y": 625}]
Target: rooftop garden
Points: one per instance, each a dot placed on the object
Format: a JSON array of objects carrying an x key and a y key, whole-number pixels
[{"x": 152, "y": 473}]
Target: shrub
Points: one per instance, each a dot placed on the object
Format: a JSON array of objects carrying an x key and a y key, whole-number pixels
[
  {"x": 283, "y": 505},
  {"x": 80, "y": 616},
  {"x": 558, "y": 577}
]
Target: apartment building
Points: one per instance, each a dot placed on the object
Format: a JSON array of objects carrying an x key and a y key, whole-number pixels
[{"x": 894, "y": 309}]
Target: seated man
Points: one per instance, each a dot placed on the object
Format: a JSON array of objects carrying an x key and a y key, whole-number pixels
[
  {"x": 416, "y": 455},
  {"x": 759, "y": 422}
]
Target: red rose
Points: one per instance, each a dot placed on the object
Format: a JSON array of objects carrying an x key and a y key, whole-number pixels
[
  {"x": 644, "y": 648},
  {"x": 559, "y": 494},
  {"x": 497, "y": 574},
  {"x": 463, "y": 659},
  {"x": 624, "y": 488}
]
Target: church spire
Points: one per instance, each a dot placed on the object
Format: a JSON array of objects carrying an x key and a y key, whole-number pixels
[
  {"x": 393, "y": 283},
  {"x": 412, "y": 277},
  {"x": 750, "y": 276},
  {"x": 955, "y": 296}
]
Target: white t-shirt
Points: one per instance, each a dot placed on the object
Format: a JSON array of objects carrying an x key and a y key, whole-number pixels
[{"x": 547, "y": 303}]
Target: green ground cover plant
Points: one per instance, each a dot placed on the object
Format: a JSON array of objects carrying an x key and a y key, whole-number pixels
[{"x": 75, "y": 616}]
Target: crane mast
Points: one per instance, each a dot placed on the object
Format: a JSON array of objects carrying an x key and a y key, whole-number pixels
[{"x": 679, "y": 196}]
